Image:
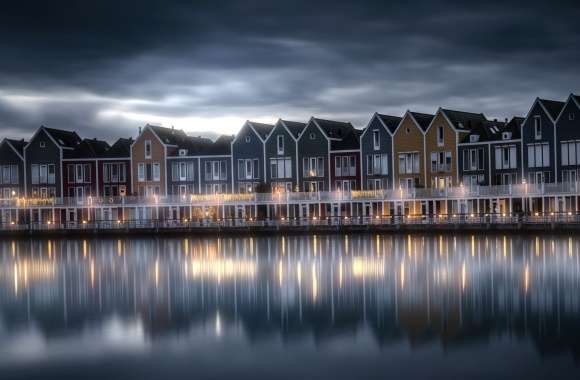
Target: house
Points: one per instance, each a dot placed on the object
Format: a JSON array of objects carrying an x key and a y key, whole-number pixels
[
  {"x": 442, "y": 137},
  {"x": 505, "y": 147},
  {"x": 314, "y": 148},
  {"x": 11, "y": 168},
  {"x": 345, "y": 170},
  {"x": 43, "y": 161},
  {"x": 249, "y": 157},
  {"x": 183, "y": 166},
  {"x": 538, "y": 141},
  {"x": 149, "y": 153},
  {"x": 409, "y": 150},
  {"x": 376, "y": 145},
  {"x": 568, "y": 141},
  {"x": 114, "y": 169},
  {"x": 79, "y": 168},
  {"x": 473, "y": 159},
  {"x": 216, "y": 163},
  {"x": 282, "y": 155}
]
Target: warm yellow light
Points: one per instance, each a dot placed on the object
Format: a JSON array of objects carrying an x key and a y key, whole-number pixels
[
  {"x": 314, "y": 218},
  {"x": 346, "y": 218},
  {"x": 84, "y": 222},
  {"x": 472, "y": 215},
  {"x": 118, "y": 222},
  {"x": 551, "y": 214},
  {"x": 13, "y": 193},
  {"x": 185, "y": 220},
  {"x": 536, "y": 214},
  {"x": 503, "y": 215},
  {"x": 49, "y": 222},
  {"x": 377, "y": 217},
  {"x": 569, "y": 213},
  {"x": 12, "y": 222},
  {"x": 282, "y": 218}
]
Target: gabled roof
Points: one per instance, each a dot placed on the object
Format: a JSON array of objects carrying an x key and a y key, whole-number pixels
[
  {"x": 333, "y": 129},
  {"x": 423, "y": 119},
  {"x": 464, "y": 120},
  {"x": 195, "y": 145},
  {"x": 493, "y": 130},
  {"x": 17, "y": 145},
  {"x": 295, "y": 127},
  {"x": 168, "y": 136},
  {"x": 121, "y": 148},
  {"x": 349, "y": 142},
  {"x": 88, "y": 148},
  {"x": 261, "y": 129},
  {"x": 221, "y": 146},
  {"x": 577, "y": 98},
  {"x": 66, "y": 139},
  {"x": 391, "y": 122},
  {"x": 553, "y": 107}
]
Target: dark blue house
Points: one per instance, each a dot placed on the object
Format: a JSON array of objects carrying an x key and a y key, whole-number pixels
[
  {"x": 376, "y": 145},
  {"x": 538, "y": 141},
  {"x": 11, "y": 168},
  {"x": 249, "y": 157},
  {"x": 568, "y": 140},
  {"x": 215, "y": 164},
  {"x": 281, "y": 155},
  {"x": 183, "y": 166}
]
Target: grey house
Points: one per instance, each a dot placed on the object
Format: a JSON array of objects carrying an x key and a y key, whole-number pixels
[
  {"x": 282, "y": 155},
  {"x": 11, "y": 168},
  {"x": 215, "y": 165},
  {"x": 376, "y": 146},
  {"x": 183, "y": 166},
  {"x": 568, "y": 140},
  {"x": 505, "y": 153},
  {"x": 249, "y": 157},
  {"x": 314, "y": 148},
  {"x": 43, "y": 161},
  {"x": 538, "y": 141},
  {"x": 473, "y": 155}
]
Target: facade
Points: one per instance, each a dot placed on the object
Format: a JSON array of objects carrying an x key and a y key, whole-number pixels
[
  {"x": 149, "y": 154},
  {"x": 442, "y": 137},
  {"x": 215, "y": 165},
  {"x": 114, "y": 170},
  {"x": 376, "y": 145},
  {"x": 43, "y": 161},
  {"x": 282, "y": 156},
  {"x": 249, "y": 157},
  {"x": 538, "y": 141},
  {"x": 409, "y": 150},
  {"x": 11, "y": 168},
  {"x": 568, "y": 141},
  {"x": 345, "y": 166},
  {"x": 505, "y": 158},
  {"x": 183, "y": 166},
  {"x": 79, "y": 168},
  {"x": 314, "y": 147}
]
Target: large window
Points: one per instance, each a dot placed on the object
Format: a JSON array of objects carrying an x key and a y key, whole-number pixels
[
  {"x": 42, "y": 174},
  {"x": 248, "y": 168},
  {"x": 570, "y": 152},
  {"x": 281, "y": 168},
  {"x": 377, "y": 164},
  {"x": 9, "y": 175},
  {"x": 79, "y": 173},
  {"x": 114, "y": 172},
  {"x": 215, "y": 170},
  {"x": 440, "y": 161},
  {"x": 409, "y": 163},
  {"x": 182, "y": 171},
  {"x": 313, "y": 167},
  {"x": 473, "y": 159},
  {"x": 345, "y": 166},
  {"x": 506, "y": 157},
  {"x": 156, "y": 172},
  {"x": 538, "y": 155}
]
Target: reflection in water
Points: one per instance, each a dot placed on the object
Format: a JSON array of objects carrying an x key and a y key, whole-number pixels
[{"x": 125, "y": 295}]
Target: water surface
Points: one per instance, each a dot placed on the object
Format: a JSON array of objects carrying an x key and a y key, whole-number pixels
[{"x": 358, "y": 306}]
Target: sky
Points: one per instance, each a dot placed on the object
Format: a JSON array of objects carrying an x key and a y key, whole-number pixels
[{"x": 104, "y": 68}]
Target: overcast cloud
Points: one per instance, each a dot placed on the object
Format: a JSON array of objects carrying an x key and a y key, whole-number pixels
[{"x": 104, "y": 68}]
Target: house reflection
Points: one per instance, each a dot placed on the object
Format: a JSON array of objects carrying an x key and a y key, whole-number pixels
[{"x": 453, "y": 289}]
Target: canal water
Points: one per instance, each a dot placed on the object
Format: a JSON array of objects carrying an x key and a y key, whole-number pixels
[{"x": 296, "y": 307}]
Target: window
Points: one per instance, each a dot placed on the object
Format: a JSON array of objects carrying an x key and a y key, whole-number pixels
[
  {"x": 570, "y": 152},
  {"x": 409, "y": 163},
  {"x": 183, "y": 152},
  {"x": 376, "y": 140},
  {"x": 506, "y": 135},
  {"x": 5, "y": 175},
  {"x": 440, "y": 161},
  {"x": 537, "y": 128},
  {"x": 9, "y": 175},
  {"x": 473, "y": 159},
  {"x": 281, "y": 168},
  {"x": 473, "y": 138},
  {"x": 215, "y": 170},
  {"x": 280, "y": 144},
  {"x": 506, "y": 157},
  {"x": 141, "y": 172},
  {"x": 248, "y": 139},
  {"x": 571, "y": 116},
  {"x": 377, "y": 164},
  {"x": 440, "y": 136},
  {"x": 313, "y": 167},
  {"x": 42, "y": 144},
  {"x": 114, "y": 172},
  {"x": 248, "y": 168},
  {"x": 43, "y": 174},
  {"x": 156, "y": 172},
  {"x": 538, "y": 155},
  {"x": 346, "y": 165},
  {"x": 312, "y": 136},
  {"x": 147, "y": 148}
]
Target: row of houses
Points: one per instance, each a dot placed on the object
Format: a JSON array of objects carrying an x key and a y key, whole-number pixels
[{"x": 417, "y": 150}]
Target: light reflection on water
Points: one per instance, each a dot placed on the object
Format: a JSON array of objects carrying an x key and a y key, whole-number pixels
[{"x": 429, "y": 299}]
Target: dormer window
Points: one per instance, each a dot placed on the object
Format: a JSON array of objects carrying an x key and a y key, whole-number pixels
[
  {"x": 183, "y": 152},
  {"x": 537, "y": 127},
  {"x": 376, "y": 139},
  {"x": 42, "y": 144},
  {"x": 147, "y": 148},
  {"x": 506, "y": 135},
  {"x": 280, "y": 144},
  {"x": 248, "y": 139},
  {"x": 440, "y": 138},
  {"x": 473, "y": 138},
  {"x": 312, "y": 136}
]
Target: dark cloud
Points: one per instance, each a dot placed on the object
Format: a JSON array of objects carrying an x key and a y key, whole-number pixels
[{"x": 106, "y": 67}]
